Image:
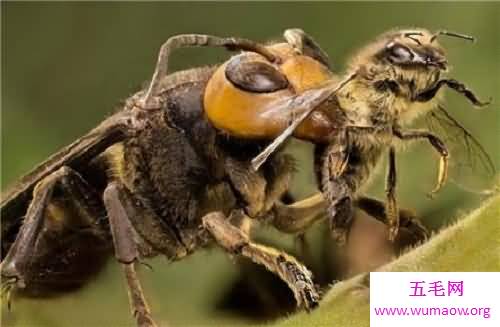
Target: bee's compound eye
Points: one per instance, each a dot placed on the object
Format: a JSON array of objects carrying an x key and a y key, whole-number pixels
[
  {"x": 400, "y": 54},
  {"x": 255, "y": 76}
]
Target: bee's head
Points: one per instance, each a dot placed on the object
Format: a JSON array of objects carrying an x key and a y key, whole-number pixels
[
  {"x": 412, "y": 50},
  {"x": 410, "y": 60}
]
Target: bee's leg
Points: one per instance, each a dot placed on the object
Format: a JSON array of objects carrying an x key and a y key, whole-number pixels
[
  {"x": 408, "y": 220},
  {"x": 150, "y": 101},
  {"x": 44, "y": 231},
  {"x": 454, "y": 85},
  {"x": 437, "y": 144},
  {"x": 126, "y": 252},
  {"x": 339, "y": 179},
  {"x": 342, "y": 167},
  {"x": 391, "y": 210},
  {"x": 298, "y": 278}
]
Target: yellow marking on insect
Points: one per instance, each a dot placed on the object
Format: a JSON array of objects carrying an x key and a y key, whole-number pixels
[
  {"x": 337, "y": 167},
  {"x": 304, "y": 73},
  {"x": 442, "y": 174},
  {"x": 250, "y": 115},
  {"x": 115, "y": 157},
  {"x": 392, "y": 213},
  {"x": 56, "y": 213}
]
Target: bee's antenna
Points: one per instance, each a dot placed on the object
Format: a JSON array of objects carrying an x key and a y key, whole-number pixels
[
  {"x": 453, "y": 34},
  {"x": 411, "y": 35}
]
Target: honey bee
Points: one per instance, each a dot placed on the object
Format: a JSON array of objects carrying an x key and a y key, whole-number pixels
[{"x": 389, "y": 83}]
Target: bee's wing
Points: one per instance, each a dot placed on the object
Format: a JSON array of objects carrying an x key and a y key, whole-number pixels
[
  {"x": 471, "y": 166},
  {"x": 15, "y": 199}
]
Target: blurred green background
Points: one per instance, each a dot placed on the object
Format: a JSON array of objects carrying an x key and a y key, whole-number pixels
[{"x": 65, "y": 66}]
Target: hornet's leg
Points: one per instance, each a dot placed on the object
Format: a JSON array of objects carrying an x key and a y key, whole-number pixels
[
  {"x": 299, "y": 216},
  {"x": 250, "y": 185},
  {"x": 62, "y": 229},
  {"x": 126, "y": 252},
  {"x": 156, "y": 235},
  {"x": 305, "y": 44},
  {"x": 298, "y": 278},
  {"x": 296, "y": 217},
  {"x": 149, "y": 100},
  {"x": 260, "y": 190}
]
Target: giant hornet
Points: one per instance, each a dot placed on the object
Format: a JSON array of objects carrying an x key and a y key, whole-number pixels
[{"x": 190, "y": 158}]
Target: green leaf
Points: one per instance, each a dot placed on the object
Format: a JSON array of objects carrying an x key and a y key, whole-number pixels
[{"x": 471, "y": 244}]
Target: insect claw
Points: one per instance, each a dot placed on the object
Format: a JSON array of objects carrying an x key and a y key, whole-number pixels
[
  {"x": 480, "y": 104},
  {"x": 432, "y": 194},
  {"x": 442, "y": 175}
]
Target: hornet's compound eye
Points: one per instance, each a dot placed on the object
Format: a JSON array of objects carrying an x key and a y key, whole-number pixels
[{"x": 254, "y": 76}]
